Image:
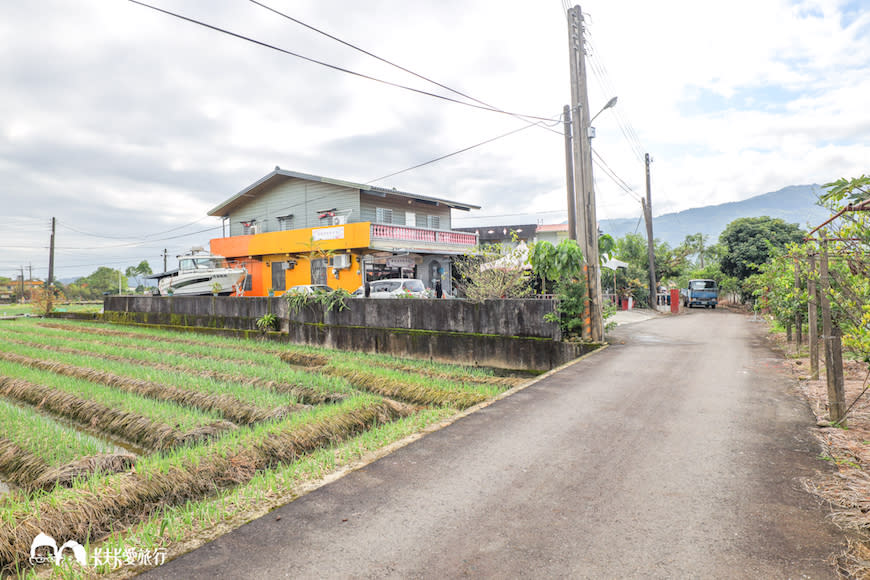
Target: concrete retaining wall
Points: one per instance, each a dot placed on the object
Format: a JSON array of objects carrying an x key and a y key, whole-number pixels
[{"x": 509, "y": 334}]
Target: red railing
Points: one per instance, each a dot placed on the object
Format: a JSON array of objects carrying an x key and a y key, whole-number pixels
[{"x": 405, "y": 233}]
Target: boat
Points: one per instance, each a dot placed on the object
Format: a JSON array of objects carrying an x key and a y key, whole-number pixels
[{"x": 200, "y": 274}]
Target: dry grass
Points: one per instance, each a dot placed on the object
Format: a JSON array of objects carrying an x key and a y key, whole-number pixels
[
  {"x": 152, "y": 435},
  {"x": 19, "y": 465},
  {"x": 847, "y": 489},
  {"x": 317, "y": 361},
  {"x": 304, "y": 359},
  {"x": 230, "y": 407},
  {"x": 407, "y": 392},
  {"x": 93, "y": 512},
  {"x": 301, "y": 393},
  {"x": 66, "y": 475}
]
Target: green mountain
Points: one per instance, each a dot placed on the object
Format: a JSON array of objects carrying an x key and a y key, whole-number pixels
[{"x": 794, "y": 204}]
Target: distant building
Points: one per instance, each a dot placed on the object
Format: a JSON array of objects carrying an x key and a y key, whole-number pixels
[
  {"x": 509, "y": 235},
  {"x": 513, "y": 234},
  {"x": 15, "y": 288},
  {"x": 292, "y": 228},
  {"x": 553, "y": 233}
]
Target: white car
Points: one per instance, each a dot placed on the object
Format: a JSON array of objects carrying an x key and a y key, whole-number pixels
[{"x": 395, "y": 288}]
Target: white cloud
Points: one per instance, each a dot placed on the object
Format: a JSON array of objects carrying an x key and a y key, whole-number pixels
[{"x": 117, "y": 117}]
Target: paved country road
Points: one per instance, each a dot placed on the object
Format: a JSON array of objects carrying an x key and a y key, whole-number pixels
[{"x": 673, "y": 454}]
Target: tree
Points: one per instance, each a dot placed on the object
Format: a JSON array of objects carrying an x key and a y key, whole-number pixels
[
  {"x": 139, "y": 272},
  {"x": 563, "y": 263},
  {"x": 696, "y": 245},
  {"x": 750, "y": 242},
  {"x": 103, "y": 280},
  {"x": 492, "y": 271}
]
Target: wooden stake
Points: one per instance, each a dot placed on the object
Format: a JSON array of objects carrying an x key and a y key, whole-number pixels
[
  {"x": 833, "y": 345},
  {"x": 813, "y": 315}
]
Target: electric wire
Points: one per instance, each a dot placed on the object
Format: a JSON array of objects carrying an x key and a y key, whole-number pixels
[
  {"x": 601, "y": 75},
  {"x": 383, "y": 60},
  {"x": 503, "y": 135},
  {"x": 331, "y": 66},
  {"x": 599, "y": 161}
]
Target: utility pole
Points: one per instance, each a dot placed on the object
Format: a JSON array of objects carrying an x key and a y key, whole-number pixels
[
  {"x": 650, "y": 246},
  {"x": 164, "y": 259},
  {"x": 22, "y": 284},
  {"x": 569, "y": 170},
  {"x": 50, "y": 280},
  {"x": 585, "y": 221}
]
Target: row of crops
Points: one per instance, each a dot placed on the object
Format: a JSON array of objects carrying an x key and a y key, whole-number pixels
[{"x": 132, "y": 436}]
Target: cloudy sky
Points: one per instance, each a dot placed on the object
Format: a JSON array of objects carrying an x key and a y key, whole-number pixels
[{"x": 128, "y": 125}]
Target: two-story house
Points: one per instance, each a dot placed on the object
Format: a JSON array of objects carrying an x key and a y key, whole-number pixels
[{"x": 292, "y": 228}]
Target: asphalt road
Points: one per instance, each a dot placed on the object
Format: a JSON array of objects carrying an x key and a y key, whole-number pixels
[{"x": 673, "y": 454}]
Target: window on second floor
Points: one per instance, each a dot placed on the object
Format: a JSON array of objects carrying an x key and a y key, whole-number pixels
[
  {"x": 383, "y": 215},
  {"x": 433, "y": 222},
  {"x": 285, "y": 222}
]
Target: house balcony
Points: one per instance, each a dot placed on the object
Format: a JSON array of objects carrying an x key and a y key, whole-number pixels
[{"x": 392, "y": 237}]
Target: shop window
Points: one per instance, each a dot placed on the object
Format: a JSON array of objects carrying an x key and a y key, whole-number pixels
[{"x": 279, "y": 276}]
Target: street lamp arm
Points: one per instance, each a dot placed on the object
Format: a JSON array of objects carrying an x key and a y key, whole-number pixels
[{"x": 610, "y": 104}]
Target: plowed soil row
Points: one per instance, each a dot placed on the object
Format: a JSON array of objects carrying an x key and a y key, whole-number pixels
[
  {"x": 30, "y": 472},
  {"x": 303, "y": 394},
  {"x": 125, "y": 498},
  {"x": 407, "y": 392},
  {"x": 230, "y": 407},
  {"x": 151, "y": 435},
  {"x": 318, "y": 361}
]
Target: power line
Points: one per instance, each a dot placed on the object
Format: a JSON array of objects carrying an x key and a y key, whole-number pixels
[
  {"x": 144, "y": 236},
  {"x": 331, "y": 66},
  {"x": 486, "y": 217},
  {"x": 603, "y": 78},
  {"x": 382, "y": 59},
  {"x": 456, "y": 152},
  {"x": 599, "y": 161}
]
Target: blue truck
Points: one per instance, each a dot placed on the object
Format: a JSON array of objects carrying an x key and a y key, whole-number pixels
[{"x": 701, "y": 293}]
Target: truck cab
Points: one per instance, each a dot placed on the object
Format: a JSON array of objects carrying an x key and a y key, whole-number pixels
[{"x": 701, "y": 293}]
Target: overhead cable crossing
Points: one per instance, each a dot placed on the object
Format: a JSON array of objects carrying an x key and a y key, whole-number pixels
[{"x": 332, "y": 66}]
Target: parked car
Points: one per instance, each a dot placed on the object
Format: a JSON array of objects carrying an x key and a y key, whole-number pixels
[
  {"x": 308, "y": 289},
  {"x": 395, "y": 288}
]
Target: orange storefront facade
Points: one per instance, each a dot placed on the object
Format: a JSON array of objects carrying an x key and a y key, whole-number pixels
[{"x": 276, "y": 261}]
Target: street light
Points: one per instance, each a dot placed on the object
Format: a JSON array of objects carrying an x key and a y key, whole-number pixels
[
  {"x": 609, "y": 105},
  {"x": 590, "y": 130}
]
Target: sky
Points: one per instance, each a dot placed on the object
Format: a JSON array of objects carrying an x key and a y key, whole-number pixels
[{"x": 128, "y": 125}]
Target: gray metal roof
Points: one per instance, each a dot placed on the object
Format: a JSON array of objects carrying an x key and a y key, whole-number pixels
[{"x": 259, "y": 186}]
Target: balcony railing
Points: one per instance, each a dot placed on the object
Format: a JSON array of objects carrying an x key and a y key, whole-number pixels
[{"x": 409, "y": 234}]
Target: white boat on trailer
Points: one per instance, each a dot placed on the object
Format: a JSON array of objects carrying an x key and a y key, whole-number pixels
[{"x": 200, "y": 274}]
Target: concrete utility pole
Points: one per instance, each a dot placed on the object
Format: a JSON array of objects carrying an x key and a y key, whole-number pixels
[
  {"x": 586, "y": 221},
  {"x": 164, "y": 259},
  {"x": 50, "y": 280},
  {"x": 650, "y": 245},
  {"x": 569, "y": 170}
]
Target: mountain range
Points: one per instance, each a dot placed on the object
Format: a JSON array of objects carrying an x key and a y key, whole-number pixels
[{"x": 794, "y": 204}]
